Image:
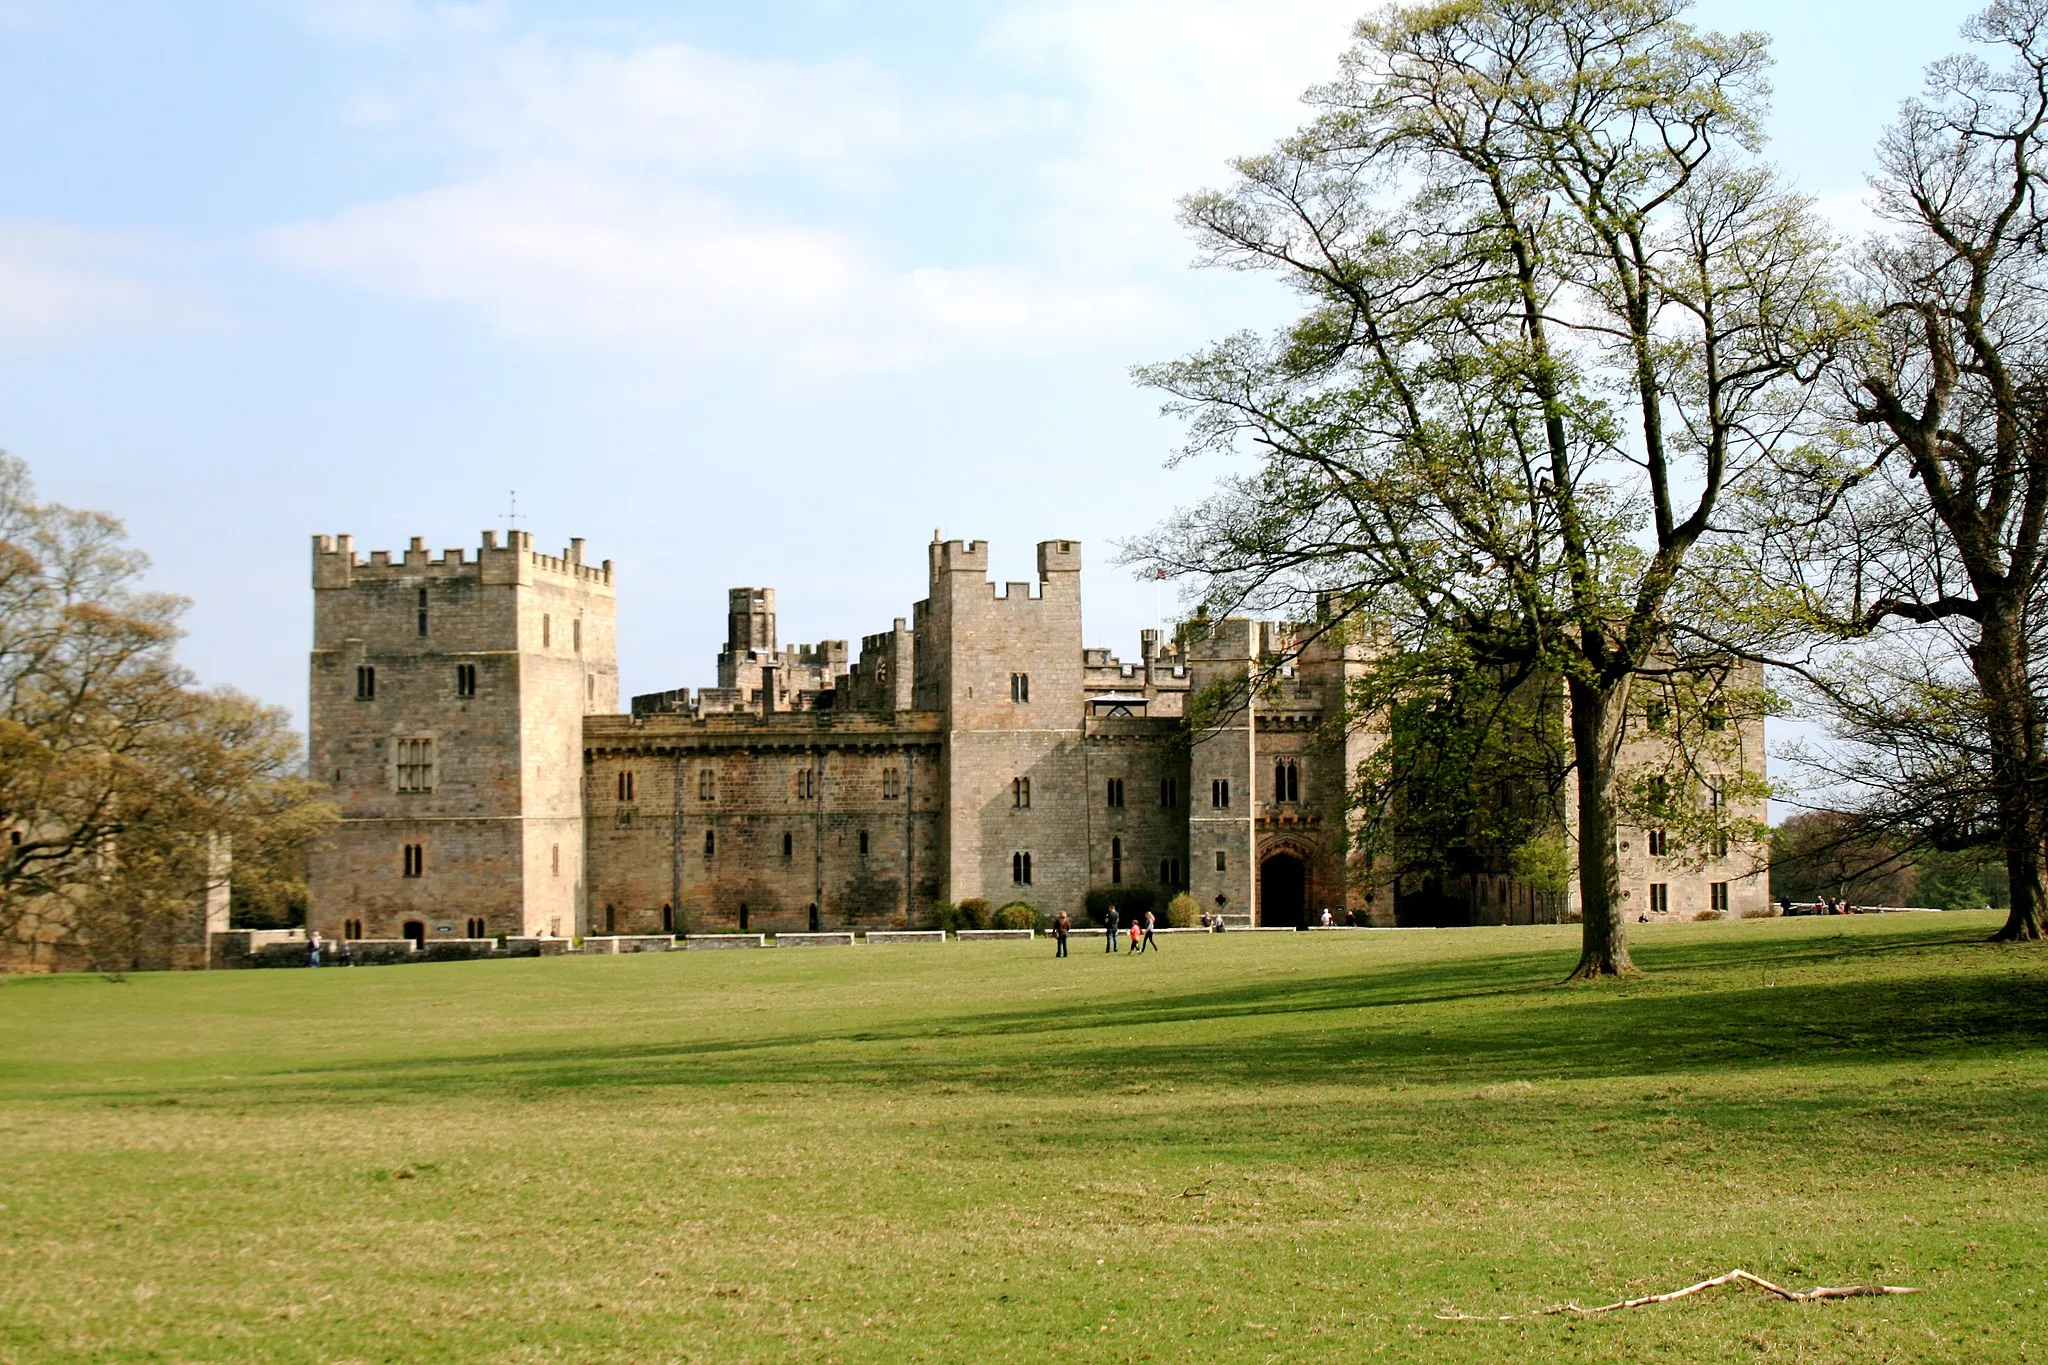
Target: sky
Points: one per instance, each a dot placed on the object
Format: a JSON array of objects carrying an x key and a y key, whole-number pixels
[{"x": 754, "y": 294}]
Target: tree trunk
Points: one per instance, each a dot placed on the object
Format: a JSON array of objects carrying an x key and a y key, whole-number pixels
[
  {"x": 1999, "y": 661},
  {"x": 1596, "y": 734}
]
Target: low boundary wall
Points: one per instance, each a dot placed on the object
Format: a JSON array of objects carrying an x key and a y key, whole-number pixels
[
  {"x": 700, "y": 942},
  {"x": 906, "y": 936},
  {"x": 993, "y": 935}
]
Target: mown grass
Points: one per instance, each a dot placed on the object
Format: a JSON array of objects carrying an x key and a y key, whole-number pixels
[{"x": 1252, "y": 1147}]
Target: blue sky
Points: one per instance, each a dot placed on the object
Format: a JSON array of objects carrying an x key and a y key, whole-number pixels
[{"x": 744, "y": 294}]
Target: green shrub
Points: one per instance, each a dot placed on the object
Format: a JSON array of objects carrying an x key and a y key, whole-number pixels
[
  {"x": 1131, "y": 902},
  {"x": 1761, "y": 912},
  {"x": 1707, "y": 914},
  {"x": 1183, "y": 912},
  {"x": 968, "y": 914},
  {"x": 1015, "y": 915}
]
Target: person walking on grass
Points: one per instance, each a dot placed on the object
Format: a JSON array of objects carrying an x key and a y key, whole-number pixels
[
  {"x": 1109, "y": 923},
  {"x": 1149, "y": 942},
  {"x": 1136, "y": 929},
  {"x": 1059, "y": 932},
  {"x": 312, "y": 947}
]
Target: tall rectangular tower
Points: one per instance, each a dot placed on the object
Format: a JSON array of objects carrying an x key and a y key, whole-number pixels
[
  {"x": 446, "y": 719},
  {"x": 1006, "y": 669},
  {"x": 1223, "y": 765}
]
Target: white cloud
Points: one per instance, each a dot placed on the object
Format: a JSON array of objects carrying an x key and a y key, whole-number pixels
[
  {"x": 67, "y": 283},
  {"x": 670, "y": 195}
]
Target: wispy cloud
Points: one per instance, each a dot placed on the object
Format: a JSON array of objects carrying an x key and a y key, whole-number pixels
[
  {"x": 686, "y": 197},
  {"x": 64, "y": 283}
]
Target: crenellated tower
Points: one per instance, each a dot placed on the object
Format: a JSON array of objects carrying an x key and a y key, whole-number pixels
[{"x": 446, "y": 720}]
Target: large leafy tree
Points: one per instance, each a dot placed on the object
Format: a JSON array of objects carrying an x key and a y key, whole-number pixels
[
  {"x": 124, "y": 789},
  {"x": 1553, "y": 312}
]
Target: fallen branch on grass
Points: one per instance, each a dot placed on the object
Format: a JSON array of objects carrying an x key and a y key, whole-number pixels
[
  {"x": 1854, "y": 1291},
  {"x": 1200, "y": 1191}
]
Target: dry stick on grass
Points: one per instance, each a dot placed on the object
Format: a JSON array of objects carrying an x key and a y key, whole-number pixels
[{"x": 1854, "y": 1291}]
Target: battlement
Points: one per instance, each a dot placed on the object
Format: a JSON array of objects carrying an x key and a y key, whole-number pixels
[
  {"x": 336, "y": 564},
  {"x": 958, "y": 556}
]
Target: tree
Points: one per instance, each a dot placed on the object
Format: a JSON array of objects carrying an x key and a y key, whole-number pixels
[
  {"x": 1553, "y": 313},
  {"x": 123, "y": 788},
  {"x": 1932, "y": 521}
]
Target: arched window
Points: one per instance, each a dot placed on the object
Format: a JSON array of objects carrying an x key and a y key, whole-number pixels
[
  {"x": 710, "y": 842},
  {"x": 788, "y": 845},
  {"x": 625, "y": 786},
  {"x": 668, "y": 919},
  {"x": 1116, "y": 862},
  {"x": 1020, "y": 793},
  {"x": 1020, "y": 869},
  {"x": 476, "y": 928},
  {"x": 351, "y": 928},
  {"x": 1286, "y": 780}
]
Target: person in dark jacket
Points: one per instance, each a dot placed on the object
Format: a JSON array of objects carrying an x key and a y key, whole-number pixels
[
  {"x": 1059, "y": 932},
  {"x": 1109, "y": 923}
]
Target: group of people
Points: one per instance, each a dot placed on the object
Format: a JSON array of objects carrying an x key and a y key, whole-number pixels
[
  {"x": 342, "y": 956},
  {"x": 1140, "y": 932}
]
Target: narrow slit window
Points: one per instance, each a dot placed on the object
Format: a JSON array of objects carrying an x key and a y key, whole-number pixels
[
  {"x": 788, "y": 846},
  {"x": 576, "y": 635},
  {"x": 415, "y": 860},
  {"x": 366, "y": 683},
  {"x": 1116, "y": 793},
  {"x": 625, "y": 786},
  {"x": 465, "y": 680},
  {"x": 863, "y": 843},
  {"x": 1222, "y": 861},
  {"x": 1116, "y": 862},
  {"x": 547, "y": 631},
  {"x": 423, "y": 612},
  {"x": 710, "y": 842}
]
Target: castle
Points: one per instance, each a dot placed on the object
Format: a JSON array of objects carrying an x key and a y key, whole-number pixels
[{"x": 465, "y": 714}]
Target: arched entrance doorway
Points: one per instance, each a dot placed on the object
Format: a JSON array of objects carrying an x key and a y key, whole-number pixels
[
  {"x": 1283, "y": 891},
  {"x": 416, "y": 930}
]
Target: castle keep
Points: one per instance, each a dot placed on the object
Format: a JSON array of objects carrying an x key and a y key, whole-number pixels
[{"x": 465, "y": 712}]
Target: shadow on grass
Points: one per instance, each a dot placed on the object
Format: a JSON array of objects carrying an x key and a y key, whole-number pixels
[{"x": 1480, "y": 1019}]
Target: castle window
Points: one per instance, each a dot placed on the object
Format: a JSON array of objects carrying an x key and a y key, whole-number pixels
[
  {"x": 476, "y": 928},
  {"x": 415, "y": 860},
  {"x": 892, "y": 783},
  {"x": 743, "y": 916},
  {"x": 1717, "y": 896},
  {"x": 1020, "y": 793},
  {"x": 1659, "y": 843},
  {"x": 1717, "y": 842},
  {"x": 625, "y": 786},
  {"x": 863, "y": 843},
  {"x": 465, "y": 680},
  {"x": 366, "y": 683},
  {"x": 547, "y": 632},
  {"x": 423, "y": 611},
  {"x": 707, "y": 784},
  {"x": 1020, "y": 687},
  {"x": 1219, "y": 793},
  {"x": 590, "y": 687},
  {"x": 1286, "y": 780},
  {"x": 1169, "y": 873},
  {"x": 710, "y": 842},
  {"x": 1169, "y": 792},
  {"x": 1116, "y": 862},
  {"x": 1116, "y": 793},
  {"x": 576, "y": 635},
  {"x": 788, "y": 846},
  {"x": 611, "y": 920},
  {"x": 415, "y": 765},
  {"x": 806, "y": 784},
  {"x": 351, "y": 928},
  {"x": 555, "y": 859},
  {"x": 668, "y": 919},
  {"x": 1660, "y": 898},
  {"x": 1222, "y": 862},
  {"x": 1020, "y": 869}
]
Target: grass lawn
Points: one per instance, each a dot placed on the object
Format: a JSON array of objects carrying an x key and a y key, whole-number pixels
[{"x": 1248, "y": 1147}]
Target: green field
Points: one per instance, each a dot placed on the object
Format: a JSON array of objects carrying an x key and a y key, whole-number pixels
[{"x": 1248, "y": 1147}]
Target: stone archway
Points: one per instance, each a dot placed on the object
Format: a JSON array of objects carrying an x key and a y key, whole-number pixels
[
  {"x": 1283, "y": 890},
  {"x": 416, "y": 930}
]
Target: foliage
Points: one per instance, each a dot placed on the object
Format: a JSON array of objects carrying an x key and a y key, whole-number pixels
[
  {"x": 1551, "y": 314},
  {"x": 1182, "y": 912},
  {"x": 1015, "y": 915},
  {"x": 972, "y": 913},
  {"x": 121, "y": 784}
]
